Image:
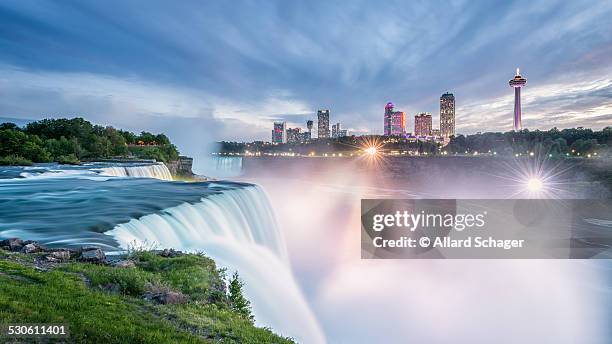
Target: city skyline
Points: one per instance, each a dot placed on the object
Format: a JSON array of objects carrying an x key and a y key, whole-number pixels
[{"x": 271, "y": 62}]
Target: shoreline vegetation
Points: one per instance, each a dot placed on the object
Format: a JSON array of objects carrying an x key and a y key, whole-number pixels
[
  {"x": 143, "y": 296},
  {"x": 71, "y": 141},
  {"x": 578, "y": 142}
]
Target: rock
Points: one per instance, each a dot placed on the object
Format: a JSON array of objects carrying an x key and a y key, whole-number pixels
[
  {"x": 62, "y": 256},
  {"x": 170, "y": 298},
  {"x": 51, "y": 259},
  {"x": 168, "y": 253},
  {"x": 92, "y": 255},
  {"x": 125, "y": 264},
  {"x": 30, "y": 248},
  {"x": 13, "y": 244}
]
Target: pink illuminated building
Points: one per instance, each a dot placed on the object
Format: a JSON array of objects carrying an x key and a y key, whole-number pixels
[{"x": 394, "y": 121}]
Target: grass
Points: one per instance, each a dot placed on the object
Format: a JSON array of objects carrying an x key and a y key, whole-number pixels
[
  {"x": 105, "y": 304},
  {"x": 220, "y": 324}
]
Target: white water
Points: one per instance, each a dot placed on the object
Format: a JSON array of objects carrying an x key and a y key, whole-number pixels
[
  {"x": 59, "y": 173},
  {"x": 218, "y": 167},
  {"x": 236, "y": 228},
  {"x": 157, "y": 171}
]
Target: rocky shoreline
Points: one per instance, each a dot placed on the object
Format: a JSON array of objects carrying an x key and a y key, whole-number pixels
[{"x": 46, "y": 259}]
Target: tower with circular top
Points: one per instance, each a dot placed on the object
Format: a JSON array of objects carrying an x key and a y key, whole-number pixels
[{"x": 517, "y": 83}]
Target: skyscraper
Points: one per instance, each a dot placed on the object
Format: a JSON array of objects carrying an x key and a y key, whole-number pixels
[
  {"x": 447, "y": 115},
  {"x": 394, "y": 122},
  {"x": 323, "y": 124},
  {"x": 278, "y": 133},
  {"x": 422, "y": 124},
  {"x": 335, "y": 130},
  {"x": 293, "y": 135},
  {"x": 517, "y": 83}
]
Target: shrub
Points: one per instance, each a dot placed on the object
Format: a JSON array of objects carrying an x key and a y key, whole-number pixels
[
  {"x": 69, "y": 159},
  {"x": 14, "y": 160}
]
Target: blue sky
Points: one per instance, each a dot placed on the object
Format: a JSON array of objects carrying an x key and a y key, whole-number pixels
[{"x": 190, "y": 66}]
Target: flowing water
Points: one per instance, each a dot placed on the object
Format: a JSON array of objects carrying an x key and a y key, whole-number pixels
[{"x": 113, "y": 206}]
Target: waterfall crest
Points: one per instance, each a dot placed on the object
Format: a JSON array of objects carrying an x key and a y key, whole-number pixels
[
  {"x": 238, "y": 229},
  {"x": 157, "y": 171}
]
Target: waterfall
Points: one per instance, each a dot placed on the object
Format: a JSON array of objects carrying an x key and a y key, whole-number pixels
[
  {"x": 157, "y": 171},
  {"x": 238, "y": 229},
  {"x": 218, "y": 166}
]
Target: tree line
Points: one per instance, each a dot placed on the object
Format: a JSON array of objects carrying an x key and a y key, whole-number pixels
[
  {"x": 554, "y": 142},
  {"x": 71, "y": 140}
]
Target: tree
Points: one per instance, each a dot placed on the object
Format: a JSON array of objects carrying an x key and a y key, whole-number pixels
[
  {"x": 147, "y": 138},
  {"x": 238, "y": 302}
]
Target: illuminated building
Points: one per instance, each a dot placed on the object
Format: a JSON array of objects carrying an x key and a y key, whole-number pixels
[
  {"x": 517, "y": 83},
  {"x": 422, "y": 124},
  {"x": 293, "y": 135},
  {"x": 338, "y": 132},
  {"x": 323, "y": 124},
  {"x": 447, "y": 115},
  {"x": 435, "y": 132},
  {"x": 394, "y": 122},
  {"x": 278, "y": 133}
]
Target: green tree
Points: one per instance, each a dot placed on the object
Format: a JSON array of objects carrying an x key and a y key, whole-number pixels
[
  {"x": 147, "y": 138},
  {"x": 238, "y": 302}
]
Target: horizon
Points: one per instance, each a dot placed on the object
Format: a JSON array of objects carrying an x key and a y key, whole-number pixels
[{"x": 209, "y": 77}]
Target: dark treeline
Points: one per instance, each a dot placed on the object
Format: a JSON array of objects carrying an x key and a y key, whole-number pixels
[
  {"x": 72, "y": 140},
  {"x": 575, "y": 142},
  {"x": 345, "y": 144},
  {"x": 554, "y": 142}
]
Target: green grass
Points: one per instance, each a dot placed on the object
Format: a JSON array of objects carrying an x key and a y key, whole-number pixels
[
  {"x": 220, "y": 324},
  {"x": 74, "y": 293}
]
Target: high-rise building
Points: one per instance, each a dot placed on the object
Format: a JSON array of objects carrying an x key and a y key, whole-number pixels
[
  {"x": 394, "y": 122},
  {"x": 447, "y": 115},
  {"x": 517, "y": 83},
  {"x": 387, "y": 119},
  {"x": 293, "y": 135},
  {"x": 323, "y": 124},
  {"x": 278, "y": 133},
  {"x": 307, "y": 135},
  {"x": 422, "y": 124},
  {"x": 342, "y": 133},
  {"x": 335, "y": 130}
]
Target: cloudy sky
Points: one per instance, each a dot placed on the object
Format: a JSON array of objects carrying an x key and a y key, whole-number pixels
[{"x": 209, "y": 70}]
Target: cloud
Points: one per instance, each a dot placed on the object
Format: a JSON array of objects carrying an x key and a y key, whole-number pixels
[
  {"x": 564, "y": 102},
  {"x": 258, "y": 61},
  {"x": 191, "y": 118}
]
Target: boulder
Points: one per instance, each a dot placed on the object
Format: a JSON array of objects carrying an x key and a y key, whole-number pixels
[
  {"x": 61, "y": 256},
  {"x": 170, "y": 298},
  {"x": 92, "y": 255},
  {"x": 51, "y": 259},
  {"x": 30, "y": 248},
  {"x": 12, "y": 244}
]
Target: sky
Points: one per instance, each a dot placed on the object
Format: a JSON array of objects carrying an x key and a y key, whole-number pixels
[{"x": 225, "y": 70}]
